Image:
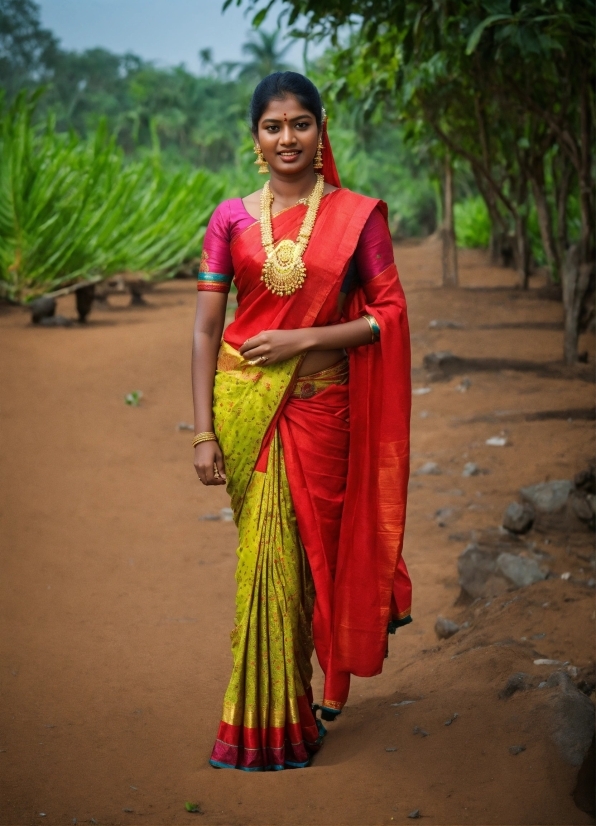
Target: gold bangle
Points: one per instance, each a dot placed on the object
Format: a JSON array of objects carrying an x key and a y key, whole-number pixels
[
  {"x": 205, "y": 436},
  {"x": 375, "y": 330}
]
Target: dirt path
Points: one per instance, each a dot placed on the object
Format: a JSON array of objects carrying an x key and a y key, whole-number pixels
[{"x": 117, "y": 600}]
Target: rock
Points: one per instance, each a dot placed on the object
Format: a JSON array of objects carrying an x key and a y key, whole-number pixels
[
  {"x": 421, "y": 391},
  {"x": 429, "y": 469},
  {"x": 445, "y": 628},
  {"x": 517, "y": 682},
  {"x": 391, "y": 748},
  {"x": 452, "y": 719},
  {"x": 471, "y": 469},
  {"x": 55, "y": 321},
  {"x": 571, "y": 723},
  {"x": 420, "y": 731},
  {"x": 227, "y": 515},
  {"x": 444, "y": 515},
  {"x": 464, "y": 385},
  {"x": 439, "y": 359},
  {"x": 404, "y": 703},
  {"x": 584, "y": 793},
  {"x": 585, "y": 481},
  {"x": 519, "y": 570},
  {"x": 496, "y": 441},
  {"x": 444, "y": 324},
  {"x": 580, "y": 510},
  {"x": 441, "y": 365},
  {"x": 518, "y": 518},
  {"x": 549, "y": 500},
  {"x": 44, "y": 307},
  {"x": 516, "y": 749},
  {"x": 415, "y": 814},
  {"x": 477, "y": 568},
  {"x": 185, "y": 426}
]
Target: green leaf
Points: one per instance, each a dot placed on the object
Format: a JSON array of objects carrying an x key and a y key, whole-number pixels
[{"x": 479, "y": 30}]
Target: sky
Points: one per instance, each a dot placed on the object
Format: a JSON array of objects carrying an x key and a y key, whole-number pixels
[{"x": 168, "y": 32}]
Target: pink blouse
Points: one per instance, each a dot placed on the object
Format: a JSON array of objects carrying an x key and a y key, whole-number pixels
[{"x": 373, "y": 254}]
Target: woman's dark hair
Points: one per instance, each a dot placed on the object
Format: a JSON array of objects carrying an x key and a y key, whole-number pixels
[{"x": 277, "y": 87}]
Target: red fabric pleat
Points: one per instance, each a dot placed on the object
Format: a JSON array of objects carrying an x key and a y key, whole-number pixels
[
  {"x": 315, "y": 435},
  {"x": 270, "y": 748}
]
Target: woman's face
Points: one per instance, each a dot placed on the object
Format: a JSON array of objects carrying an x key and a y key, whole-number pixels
[{"x": 288, "y": 136}]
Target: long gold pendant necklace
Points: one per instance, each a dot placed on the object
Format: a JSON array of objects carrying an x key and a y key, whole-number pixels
[{"x": 284, "y": 271}]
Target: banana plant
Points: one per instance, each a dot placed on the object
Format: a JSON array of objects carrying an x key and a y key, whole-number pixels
[{"x": 73, "y": 210}]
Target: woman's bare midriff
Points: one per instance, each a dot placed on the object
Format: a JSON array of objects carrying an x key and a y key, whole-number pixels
[{"x": 318, "y": 360}]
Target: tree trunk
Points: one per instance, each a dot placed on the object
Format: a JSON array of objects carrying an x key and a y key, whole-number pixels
[
  {"x": 449, "y": 251},
  {"x": 576, "y": 276},
  {"x": 522, "y": 251},
  {"x": 562, "y": 173},
  {"x": 545, "y": 224}
]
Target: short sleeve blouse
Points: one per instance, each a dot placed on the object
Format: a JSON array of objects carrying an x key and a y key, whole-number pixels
[{"x": 373, "y": 254}]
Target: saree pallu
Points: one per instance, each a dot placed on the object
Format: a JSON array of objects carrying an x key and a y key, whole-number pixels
[{"x": 317, "y": 472}]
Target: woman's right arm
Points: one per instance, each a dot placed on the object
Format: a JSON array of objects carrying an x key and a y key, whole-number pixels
[{"x": 209, "y": 324}]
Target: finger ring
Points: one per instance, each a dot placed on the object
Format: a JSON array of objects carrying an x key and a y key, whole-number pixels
[
  {"x": 262, "y": 358},
  {"x": 216, "y": 473}
]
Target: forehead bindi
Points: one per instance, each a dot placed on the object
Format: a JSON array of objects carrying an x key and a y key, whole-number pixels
[{"x": 285, "y": 111}]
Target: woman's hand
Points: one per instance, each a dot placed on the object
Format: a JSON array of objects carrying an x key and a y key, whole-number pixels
[
  {"x": 273, "y": 346},
  {"x": 209, "y": 463}
]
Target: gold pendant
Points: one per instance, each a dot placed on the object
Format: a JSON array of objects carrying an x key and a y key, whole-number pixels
[{"x": 284, "y": 271}]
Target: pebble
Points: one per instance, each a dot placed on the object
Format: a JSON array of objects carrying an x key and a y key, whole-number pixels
[
  {"x": 184, "y": 426},
  {"x": 429, "y": 469},
  {"x": 566, "y": 575},
  {"x": 496, "y": 441},
  {"x": 445, "y": 628},
  {"x": 391, "y": 748},
  {"x": 516, "y": 749},
  {"x": 543, "y": 661},
  {"x": 421, "y": 731},
  {"x": 464, "y": 385},
  {"x": 444, "y": 324},
  {"x": 451, "y": 719},
  {"x": 415, "y": 814},
  {"x": 404, "y": 703},
  {"x": 471, "y": 469},
  {"x": 421, "y": 391}
]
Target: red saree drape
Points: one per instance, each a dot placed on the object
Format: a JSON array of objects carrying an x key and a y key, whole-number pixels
[{"x": 346, "y": 451}]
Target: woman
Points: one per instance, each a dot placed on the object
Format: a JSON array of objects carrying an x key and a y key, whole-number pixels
[{"x": 312, "y": 443}]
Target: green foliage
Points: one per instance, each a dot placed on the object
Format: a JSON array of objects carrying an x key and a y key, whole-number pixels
[
  {"x": 133, "y": 399},
  {"x": 73, "y": 210},
  {"x": 472, "y": 223}
]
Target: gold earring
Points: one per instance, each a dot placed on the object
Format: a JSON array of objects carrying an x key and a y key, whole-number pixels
[
  {"x": 318, "y": 159},
  {"x": 261, "y": 162}
]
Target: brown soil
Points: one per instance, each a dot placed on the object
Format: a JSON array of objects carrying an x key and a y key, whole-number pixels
[{"x": 117, "y": 600}]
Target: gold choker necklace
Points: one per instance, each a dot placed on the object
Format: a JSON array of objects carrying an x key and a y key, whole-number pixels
[{"x": 284, "y": 271}]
